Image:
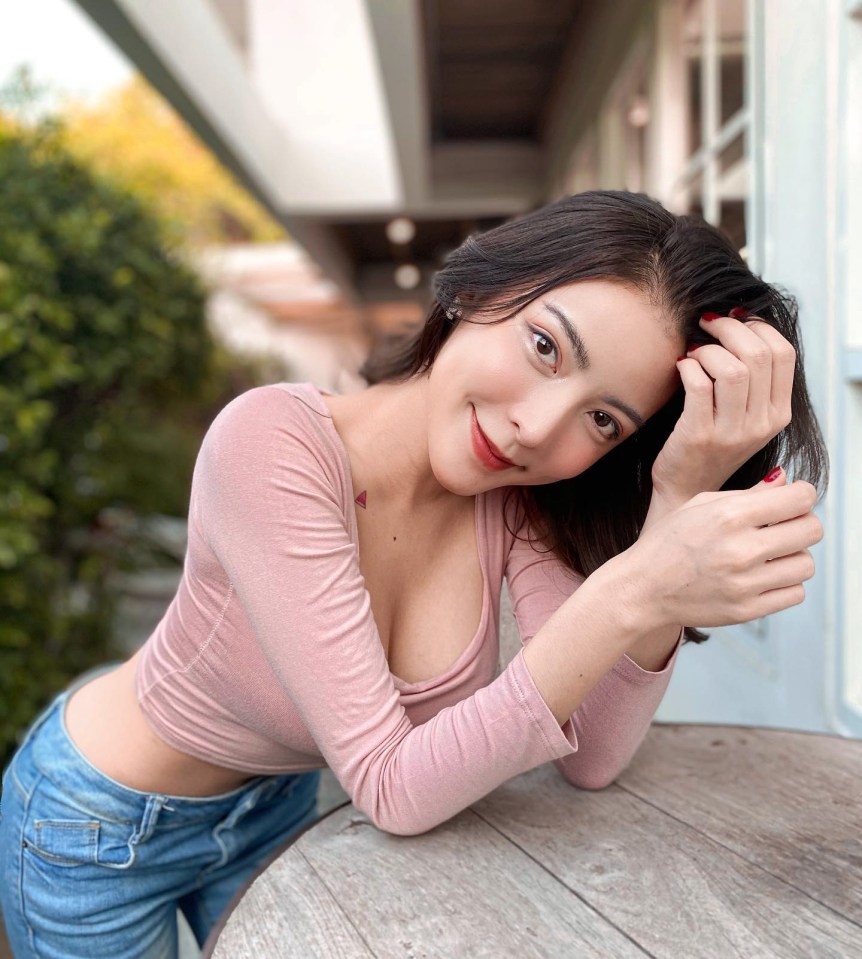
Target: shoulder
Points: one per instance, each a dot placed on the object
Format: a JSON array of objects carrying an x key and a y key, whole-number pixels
[
  {"x": 272, "y": 429},
  {"x": 277, "y": 405},
  {"x": 270, "y": 413}
]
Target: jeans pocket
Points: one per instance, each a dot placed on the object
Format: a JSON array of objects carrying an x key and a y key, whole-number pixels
[
  {"x": 83, "y": 842},
  {"x": 63, "y": 829},
  {"x": 65, "y": 842}
]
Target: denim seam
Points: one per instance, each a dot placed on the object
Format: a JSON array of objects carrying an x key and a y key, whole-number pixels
[
  {"x": 17, "y": 782},
  {"x": 149, "y": 820},
  {"x": 230, "y": 822},
  {"x": 31, "y": 934},
  {"x": 97, "y": 814}
]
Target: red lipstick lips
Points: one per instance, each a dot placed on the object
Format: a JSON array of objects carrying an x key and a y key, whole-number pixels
[{"x": 487, "y": 453}]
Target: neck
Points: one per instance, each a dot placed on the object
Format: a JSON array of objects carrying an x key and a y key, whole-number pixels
[{"x": 385, "y": 431}]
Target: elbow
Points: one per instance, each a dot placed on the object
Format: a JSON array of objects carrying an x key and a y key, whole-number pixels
[
  {"x": 399, "y": 826},
  {"x": 596, "y": 769},
  {"x": 395, "y": 822},
  {"x": 593, "y": 782},
  {"x": 591, "y": 777}
]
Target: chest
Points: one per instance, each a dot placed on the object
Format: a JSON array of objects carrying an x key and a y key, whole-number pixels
[{"x": 425, "y": 582}]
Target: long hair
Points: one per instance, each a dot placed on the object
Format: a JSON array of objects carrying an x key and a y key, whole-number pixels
[{"x": 682, "y": 264}]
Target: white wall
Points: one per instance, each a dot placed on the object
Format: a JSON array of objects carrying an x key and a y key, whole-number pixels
[{"x": 314, "y": 66}]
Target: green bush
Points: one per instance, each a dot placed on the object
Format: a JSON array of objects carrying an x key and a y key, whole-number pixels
[{"x": 108, "y": 378}]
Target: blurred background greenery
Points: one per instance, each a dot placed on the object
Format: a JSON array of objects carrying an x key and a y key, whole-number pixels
[{"x": 108, "y": 373}]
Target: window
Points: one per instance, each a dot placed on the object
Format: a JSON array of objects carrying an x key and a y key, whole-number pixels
[{"x": 715, "y": 180}]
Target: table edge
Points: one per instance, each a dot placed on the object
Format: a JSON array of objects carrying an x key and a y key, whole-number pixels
[
  {"x": 208, "y": 946},
  {"x": 763, "y": 729},
  {"x": 215, "y": 932}
]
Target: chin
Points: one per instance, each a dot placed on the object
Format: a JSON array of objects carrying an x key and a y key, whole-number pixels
[
  {"x": 460, "y": 485},
  {"x": 452, "y": 475}
]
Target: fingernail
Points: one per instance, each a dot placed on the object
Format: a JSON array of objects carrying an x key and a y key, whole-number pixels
[
  {"x": 681, "y": 358},
  {"x": 697, "y": 346},
  {"x": 772, "y": 475},
  {"x": 711, "y": 316},
  {"x": 738, "y": 312}
]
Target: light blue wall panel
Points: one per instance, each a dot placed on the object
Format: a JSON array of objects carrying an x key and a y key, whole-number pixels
[{"x": 777, "y": 672}]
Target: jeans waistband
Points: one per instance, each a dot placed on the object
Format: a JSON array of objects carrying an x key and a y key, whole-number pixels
[{"x": 55, "y": 756}]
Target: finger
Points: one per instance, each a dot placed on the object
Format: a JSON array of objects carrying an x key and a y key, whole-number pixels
[
  {"x": 774, "y": 600},
  {"x": 778, "y": 479},
  {"x": 788, "y": 537},
  {"x": 767, "y": 504},
  {"x": 706, "y": 498},
  {"x": 730, "y": 382},
  {"x": 699, "y": 404},
  {"x": 773, "y": 478},
  {"x": 753, "y": 351},
  {"x": 785, "y": 571},
  {"x": 783, "y": 366}
]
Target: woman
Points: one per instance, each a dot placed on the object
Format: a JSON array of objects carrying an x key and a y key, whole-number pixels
[{"x": 588, "y": 380}]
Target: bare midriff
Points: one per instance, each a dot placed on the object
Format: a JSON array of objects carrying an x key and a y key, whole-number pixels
[{"x": 106, "y": 723}]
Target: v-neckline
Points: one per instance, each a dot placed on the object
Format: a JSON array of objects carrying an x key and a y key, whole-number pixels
[{"x": 479, "y": 525}]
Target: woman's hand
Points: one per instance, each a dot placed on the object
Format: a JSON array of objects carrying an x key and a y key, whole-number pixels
[
  {"x": 727, "y": 557},
  {"x": 737, "y": 398}
]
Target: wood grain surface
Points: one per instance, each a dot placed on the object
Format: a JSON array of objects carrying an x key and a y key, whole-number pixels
[{"x": 716, "y": 842}]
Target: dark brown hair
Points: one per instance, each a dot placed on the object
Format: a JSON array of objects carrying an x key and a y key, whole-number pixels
[{"x": 683, "y": 265}]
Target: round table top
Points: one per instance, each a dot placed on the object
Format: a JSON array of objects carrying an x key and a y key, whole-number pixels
[{"x": 717, "y": 841}]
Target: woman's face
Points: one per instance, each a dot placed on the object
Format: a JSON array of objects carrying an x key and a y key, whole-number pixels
[{"x": 553, "y": 389}]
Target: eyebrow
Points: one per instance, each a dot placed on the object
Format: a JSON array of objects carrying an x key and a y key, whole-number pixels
[
  {"x": 582, "y": 357},
  {"x": 578, "y": 346}
]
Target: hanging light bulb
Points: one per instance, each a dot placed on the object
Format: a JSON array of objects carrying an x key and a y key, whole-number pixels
[
  {"x": 401, "y": 230},
  {"x": 407, "y": 276}
]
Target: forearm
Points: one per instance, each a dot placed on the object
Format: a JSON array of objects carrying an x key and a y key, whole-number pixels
[
  {"x": 588, "y": 634},
  {"x": 653, "y": 649},
  {"x": 611, "y": 723},
  {"x": 609, "y": 615}
]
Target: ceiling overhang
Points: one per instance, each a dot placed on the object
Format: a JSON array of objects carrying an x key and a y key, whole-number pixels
[{"x": 339, "y": 115}]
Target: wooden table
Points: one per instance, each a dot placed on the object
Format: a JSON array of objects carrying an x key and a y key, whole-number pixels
[{"x": 718, "y": 841}]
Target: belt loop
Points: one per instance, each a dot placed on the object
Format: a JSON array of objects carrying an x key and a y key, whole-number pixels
[{"x": 154, "y": 806}]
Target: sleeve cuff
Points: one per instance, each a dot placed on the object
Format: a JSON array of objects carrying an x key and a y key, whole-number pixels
[
  {"x": 559, "y": 741},
  {"x": 629, "y": 669}
]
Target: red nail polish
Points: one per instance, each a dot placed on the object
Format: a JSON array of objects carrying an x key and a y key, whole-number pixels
[
  {"x": 696, "y": 346},
  {"x": 681, "y": 358},
  {"x": 711, "y": 316},
  {"x": 738, "y": 313},
  {"x": 772, "y": 475}
]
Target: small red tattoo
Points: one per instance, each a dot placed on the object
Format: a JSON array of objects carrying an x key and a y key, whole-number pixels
[{"x": 361, "y": 499}]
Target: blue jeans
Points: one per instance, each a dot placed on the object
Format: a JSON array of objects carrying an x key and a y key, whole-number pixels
[{"x": 90, "y": 867}]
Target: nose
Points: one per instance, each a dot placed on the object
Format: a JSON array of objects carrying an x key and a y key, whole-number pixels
[{"x": 539, "y": 418}]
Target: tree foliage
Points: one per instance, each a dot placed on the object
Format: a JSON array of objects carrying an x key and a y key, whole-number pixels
[
  {"x": 108, "y": 378},
  {"x": 134, "y": 137}
]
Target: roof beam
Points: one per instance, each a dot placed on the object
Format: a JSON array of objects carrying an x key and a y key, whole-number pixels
[
  {"x": 185, "y": 53},
  {"x": 502, "y": 175},
  {"x": 400, "y": 52}
]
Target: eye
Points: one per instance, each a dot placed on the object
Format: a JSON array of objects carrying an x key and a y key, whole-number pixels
[
  {"x": 614, "y": 432},
  {"x": 544, "y": 346}
]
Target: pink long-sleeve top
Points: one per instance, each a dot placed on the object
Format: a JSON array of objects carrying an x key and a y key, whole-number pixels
[{"x": 268, "y": 659}]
